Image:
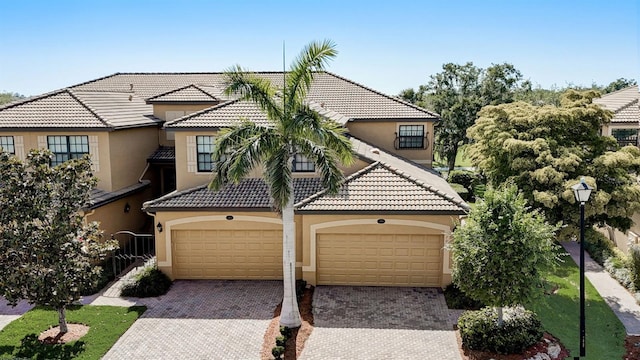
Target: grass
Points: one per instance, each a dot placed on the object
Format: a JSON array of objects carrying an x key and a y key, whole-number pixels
[
  {"x": 461, "y": 159},
  {"x": 19, "y": 339},
  {"x": 560, "y": 314}
]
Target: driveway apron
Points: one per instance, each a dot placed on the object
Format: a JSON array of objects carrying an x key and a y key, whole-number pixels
[
  {"x": 380, "y": 323},
  {"x": 205, "y": 319},
  {"x": 9, "y": 313}
]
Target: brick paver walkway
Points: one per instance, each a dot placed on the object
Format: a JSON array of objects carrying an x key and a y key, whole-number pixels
[
  {"x": 208, "y": 319},
  {"x": 380, "y": 323}
]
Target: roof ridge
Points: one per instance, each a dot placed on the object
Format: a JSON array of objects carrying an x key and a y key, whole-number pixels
[
  {"x": 203, "y": 111},
  {"x": 625, "y": 106},
  {"x": 173, "y": 194},
  {"x": 620, "y": 90},
  {"x": 32, "y": 98},
  {"x": 94, "y": 80},
  {"x": 92, "y": 110},
  {"x": 342, "y": 182},
  {"x": 385, "y": 95},
  {"x": 180, "y": 89}
]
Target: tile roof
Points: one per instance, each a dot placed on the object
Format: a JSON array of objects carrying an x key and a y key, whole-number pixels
[
  {"x": 68, "y": 108},
  {"x": 380, "y": 188},
  {"x": 249, "y": 193},
  {"x": 190, "y": 93},
  {"x": 100, "y": 197},
  {"x": 164, "y": 154},
  {"x": 223, "y": 115},
  {"x": 350, "y": 99},
  {"x": 624, "y": 104}
]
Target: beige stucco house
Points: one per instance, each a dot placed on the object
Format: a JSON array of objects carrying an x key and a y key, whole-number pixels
[{"x": 152, "y": 134}]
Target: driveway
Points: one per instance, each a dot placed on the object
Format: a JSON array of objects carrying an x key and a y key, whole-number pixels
[
  {"x": 206, "y": 319},
  {"x": 9, "y": 313},
  {"x": 380, "y": 323}
]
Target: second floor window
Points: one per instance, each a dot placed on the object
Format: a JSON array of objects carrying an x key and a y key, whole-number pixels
[
  {"x": 7, "y": 145},
  {"x": 204, "y": 149},
  {"x": 302, "y": 164},
  {"x": 67, "y": 147},
  {"x": 411, "y": 137}
]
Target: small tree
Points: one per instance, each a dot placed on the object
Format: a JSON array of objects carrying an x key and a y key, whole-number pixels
[
  {"x": 501, "y": 249},
  {"x": 47, "y": 251}
]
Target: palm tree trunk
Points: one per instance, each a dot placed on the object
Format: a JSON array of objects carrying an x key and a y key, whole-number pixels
[
  {"x": 62, "y": 320},
  {"x": 290, "y": 314}
]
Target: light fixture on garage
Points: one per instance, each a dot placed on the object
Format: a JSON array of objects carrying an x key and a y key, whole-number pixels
[
  {"x": 229, "y": 217},
  {"x": 380, "y": 221},
  {"x": 159, "y": 227}
]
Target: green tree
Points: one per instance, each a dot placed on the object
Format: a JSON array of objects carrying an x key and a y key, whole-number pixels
[
  {"x": 618, "y": 84},
  {"x": 47, "y": 253},
  {"x": 500, "y": 251},
  {"x": 545, "y": 150},
  {"x": 294, "y": 128},
  {"x": 7, "y": 97},
  {"x": 459, "y": 92}
]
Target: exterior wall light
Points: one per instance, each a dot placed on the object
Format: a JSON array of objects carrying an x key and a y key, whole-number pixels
[
  {"x": 381, "y": 221},
  {"x": 159, "y": 227},
  {"x": 127, "y": 207},
  {"x": 229, "y": 217}
]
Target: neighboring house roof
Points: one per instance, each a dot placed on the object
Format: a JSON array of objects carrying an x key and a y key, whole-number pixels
[
  {"x": 188, "y": 94},
  {"x": 68, "y": 108},
  {"x": 100, "y": 197},
  {"x": 163, "y": 155},
  {"x": 624, "y": 103},
  {"x": 380, "y": 188},
  {"x": 250, "y": 193},
  {"x": 223, "y": 115},
  {"x": 330, "y": 91}
]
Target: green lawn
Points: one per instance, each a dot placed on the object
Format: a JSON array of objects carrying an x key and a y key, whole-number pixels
[
  {"x": 560, "y": 314},
  {"x": 19, "y": 339},
  {"x": 461, "y": 159}
]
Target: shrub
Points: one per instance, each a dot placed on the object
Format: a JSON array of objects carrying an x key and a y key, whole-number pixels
[
  {"x": 598, "y": 246},
  {"x": 469, "y": 179},
  {"x": 634, "y": 265},
  {"x": 479, "y": 330},
  {"x": 479, "y": 190},
  {"x": 277, "y": 352},
  {"x": 150, "y": 282},
  {"x": 462, "y": 191},
  {"x": 285, "y": 331},
  {"x": 456, "y": 299}
]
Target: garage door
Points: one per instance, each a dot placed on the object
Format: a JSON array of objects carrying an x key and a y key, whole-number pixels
[
  {"x": 379, "y": 259},
  {"x": 227, "y": 254}
]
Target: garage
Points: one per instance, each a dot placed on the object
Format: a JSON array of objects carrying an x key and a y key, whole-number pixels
[
  {"x": 252, "y": 254},
  {"x": 379, "y": 259}
]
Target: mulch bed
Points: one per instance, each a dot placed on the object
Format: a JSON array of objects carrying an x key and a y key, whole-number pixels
[
  {"x": 54, "y": 336},
  {"x": 299, "y": 336},
  {"x": 540, "y": 347},
  {"x": 632, "y": 345}
]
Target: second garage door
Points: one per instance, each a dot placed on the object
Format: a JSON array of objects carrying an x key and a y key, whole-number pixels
[
  {"x": 227, "y": 254},
  {"x": 379, "y": 259}
]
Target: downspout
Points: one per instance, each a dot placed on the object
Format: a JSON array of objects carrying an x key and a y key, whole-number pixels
[{"x": 144, "y": 172}]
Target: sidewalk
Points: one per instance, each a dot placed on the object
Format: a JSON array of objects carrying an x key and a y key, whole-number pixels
[{"x": 615, "y": 295}]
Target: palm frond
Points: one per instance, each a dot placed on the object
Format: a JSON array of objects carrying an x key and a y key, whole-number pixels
[
  {"x": 249, "y": 86},
  {"x": 314, "y": 57},
  {"x": 278, "y": 176},
  {"x": 326, "y": 161}
]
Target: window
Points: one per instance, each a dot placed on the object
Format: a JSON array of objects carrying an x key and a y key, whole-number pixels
[
  {"x": 411, "y": 137},
  {"x": 7, "y": 145},
  {"x": 204, "y": 149},
  {"x": 625, "y": 136},
  {"x": 67, "y": 147},
  {"x": 302, "y": 164}
]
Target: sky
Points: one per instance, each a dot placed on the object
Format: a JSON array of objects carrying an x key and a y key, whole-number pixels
[{"x": 386, "y": 45}]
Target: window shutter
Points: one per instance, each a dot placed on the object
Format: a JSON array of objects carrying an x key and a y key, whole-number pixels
[
  {"x": 192, "y": 157},
  {"x": 94, "y": 153},
  {"x": 18, "y": 146},
  {"x": 42, "y": 142}
]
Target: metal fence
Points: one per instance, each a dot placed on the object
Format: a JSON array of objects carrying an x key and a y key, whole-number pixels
[{"x": 135, "y": 250}]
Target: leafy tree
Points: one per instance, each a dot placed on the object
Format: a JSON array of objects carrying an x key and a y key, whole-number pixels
[
  {"x": 459, "y": 92},
  {"x": 47, "y": 253},
  {"x": 618, "y": 84},
  {"x": 294, "y": 128},
  {"x": 545, "y": 150},
  {"x": 7, "y": 97},
  {"x": 537, "y": 95},
  {"x": 500, "y": 251}
]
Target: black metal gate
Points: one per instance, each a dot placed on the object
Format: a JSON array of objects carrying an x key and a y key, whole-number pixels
[{"x": 135, "y": 250}]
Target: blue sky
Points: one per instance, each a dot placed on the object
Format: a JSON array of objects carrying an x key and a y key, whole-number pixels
[{"x": 386, "y": 45}]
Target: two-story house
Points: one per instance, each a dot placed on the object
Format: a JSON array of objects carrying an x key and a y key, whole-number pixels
[{"x": 388, "y": 225}]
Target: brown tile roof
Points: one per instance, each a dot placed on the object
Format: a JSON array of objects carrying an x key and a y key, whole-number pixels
[
  {"x": 223, "y": 115},
  {"x": 380, "y": 188},
  {"x": 624, "y": 104},
  {"x": 330, "y": 91},
  {"x": 100, "y": 197},
  {"x": 189, "y": 94},
  {"x": 251, "y": 193},
  {"x": 67, "y": 108},
  {"x": 164, "y": 154}
]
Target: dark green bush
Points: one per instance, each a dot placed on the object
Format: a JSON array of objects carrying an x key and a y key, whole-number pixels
[
  {"x": 598, "y": 246},
  {"x": 456, "y": 299},
  {"x": 285, "y": 331},
  {"x": 634, "y": 265},
  {"x": 479, "y": 330},
  {"x": 277, "y": 352},
  {"x": 479, "y": 190},
  {"x": 150, "y": 282},
  {"x": 462, "y": 191},
  {"x": 463, "y": 177}
]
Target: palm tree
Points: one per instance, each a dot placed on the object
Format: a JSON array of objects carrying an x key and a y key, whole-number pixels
[{"x": 293, "y": 128}]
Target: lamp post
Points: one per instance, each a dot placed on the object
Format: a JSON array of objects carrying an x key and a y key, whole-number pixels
[{"x": 582, "y": 191}]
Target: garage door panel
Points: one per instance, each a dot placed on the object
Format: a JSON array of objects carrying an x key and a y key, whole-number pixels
[
  {"x": 227, "y": 254},
  {"x": 379, "y": 259}
]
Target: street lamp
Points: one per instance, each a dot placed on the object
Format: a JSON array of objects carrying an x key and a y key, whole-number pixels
[{"x": 582, "y": 191}]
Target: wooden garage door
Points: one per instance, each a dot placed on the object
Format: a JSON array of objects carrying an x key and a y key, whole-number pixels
[
  {"x": 379, "y": 259},
  {"x": 227, "y": 254}
]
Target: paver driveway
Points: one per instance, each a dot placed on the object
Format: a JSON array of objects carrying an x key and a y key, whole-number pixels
[
  {"x": 9, "y": 313},
  {"x": 380, "y": 323},
  {"x": 206, "y": 319}
]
